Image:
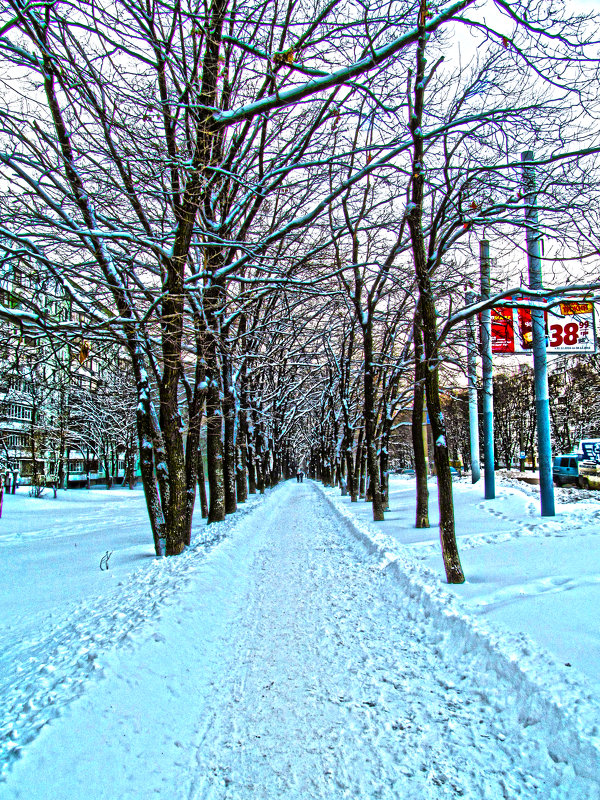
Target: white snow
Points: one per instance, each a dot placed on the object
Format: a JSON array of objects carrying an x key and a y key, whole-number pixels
[
  {"x": 534, "y": 575},
  {"x": 294, "y": 651}
]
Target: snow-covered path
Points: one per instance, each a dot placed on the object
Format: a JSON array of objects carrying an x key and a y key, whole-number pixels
[{"x": 291, "y": 665}]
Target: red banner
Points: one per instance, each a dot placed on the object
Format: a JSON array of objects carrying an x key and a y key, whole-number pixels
[{"x": 570, "y": 328}]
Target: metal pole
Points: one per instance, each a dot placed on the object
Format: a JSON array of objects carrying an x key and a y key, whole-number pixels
[
  {"x": 470, "y": 297},
  {"x": 489, "y": 477},
  {"x": 425, "y": 429},
  {"x": 540, "y": 368}
]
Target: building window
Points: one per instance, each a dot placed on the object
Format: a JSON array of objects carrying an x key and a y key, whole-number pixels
[
  {"x": 18, "y": 411},
  {"x": 16, "y": 440}
]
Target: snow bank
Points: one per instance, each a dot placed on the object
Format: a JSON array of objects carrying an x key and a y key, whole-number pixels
[{"x": 554, "y": 701}]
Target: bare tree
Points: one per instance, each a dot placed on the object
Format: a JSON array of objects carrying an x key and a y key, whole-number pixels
[
  {"x": 157, "y": 139},
  {"x": 173, "y": 159}
]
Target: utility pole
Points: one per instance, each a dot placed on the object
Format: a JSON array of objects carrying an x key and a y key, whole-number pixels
[
  {"x": 489, "y": 477},
  {"x": 470, "y": 297},
  {"x": 540, "y": 367}
]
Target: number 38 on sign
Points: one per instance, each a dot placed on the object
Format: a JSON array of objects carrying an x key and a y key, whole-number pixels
[{"x": 570, "y": 328}]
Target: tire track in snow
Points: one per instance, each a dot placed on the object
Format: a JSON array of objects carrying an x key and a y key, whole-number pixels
[{"x": 338, "y": 687}]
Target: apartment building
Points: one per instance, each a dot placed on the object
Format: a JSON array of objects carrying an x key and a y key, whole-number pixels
[{"x": 67, "y": 408}]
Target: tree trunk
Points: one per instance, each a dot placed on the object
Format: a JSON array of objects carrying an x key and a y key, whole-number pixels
[
  {"x": 242, "y": 461},
  {"x": 175, "y": 511},
  {"x": 202, "y": 486},
  {"x": 196, "y": 399},
  {"x": 107, "y": 470},
  {"x": 326, "y": 467},
  {"x": 229, "y": 449},
  {"x": 67, "y": 466},
  {"x": 275, "y": 473},
  {"x": 259, "y": 460},
  {"x": 454, "y": 573},
  {"x": 214, "y": 455},
  {"x": 129, "y": 477},
  {"x": 265, "y": 466},
  {"x": 260, "y": 479},
  {"x": 251, "y": 461},
  {"x": 33, "y": 447},
  {"x": 60, "y": 472},
  {"x": 350, "y": 474},
  {"x": 241, "y": 475},
  {"x": 229, "y": 459},
  {"x": 422, "y": 511},
  {"x": 357, "y": 468},
  {"x": 384, "y": 465},
  {"x": 363, "y": 473},
  {"x": 147, "y": 434},
  {"x": 370, "y": 428},
  {"x": 423, "y": 270}
]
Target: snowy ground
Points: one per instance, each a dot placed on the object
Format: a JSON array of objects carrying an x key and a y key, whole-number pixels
[
  {"x": 540, "y": 576},
  {"x": 50, "y": 549},
  {"x": 287, "y": 654}
]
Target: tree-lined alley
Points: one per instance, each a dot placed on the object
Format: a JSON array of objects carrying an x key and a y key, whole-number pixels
[{"x": 270, "y": 210}]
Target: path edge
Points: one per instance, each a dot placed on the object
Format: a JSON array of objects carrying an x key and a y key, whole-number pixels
[{"x": 545, "y": 691}]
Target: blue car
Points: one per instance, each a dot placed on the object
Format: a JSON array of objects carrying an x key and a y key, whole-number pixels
[{"x": 565, "y": 469}]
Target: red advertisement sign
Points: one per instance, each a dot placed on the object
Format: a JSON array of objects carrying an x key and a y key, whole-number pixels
[
  {"x": 503, "y": 337},
  {"x": 570, "y": 328}
]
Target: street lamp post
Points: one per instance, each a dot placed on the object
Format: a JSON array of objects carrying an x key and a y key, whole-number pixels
[
  {"x": 489, "y": 478},
  {"x": 540, "y": 368}
]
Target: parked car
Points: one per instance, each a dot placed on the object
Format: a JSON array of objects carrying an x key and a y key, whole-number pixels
[
  {"x": 589, "y": 463},
  {"x": 565, "y": 469}
]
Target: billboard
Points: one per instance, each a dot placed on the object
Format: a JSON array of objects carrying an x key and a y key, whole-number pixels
[
  {"x": 570, "y": 328},
  {"x": 590, "y": 449}
]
